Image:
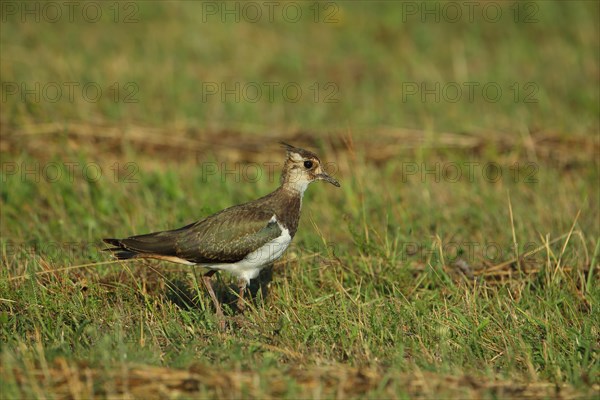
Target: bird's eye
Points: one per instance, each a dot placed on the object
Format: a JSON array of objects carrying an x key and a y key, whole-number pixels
[{"x": 308, "y": 164}]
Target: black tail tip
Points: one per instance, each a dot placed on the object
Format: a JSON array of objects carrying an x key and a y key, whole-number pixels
[
  {"x": 119, "y": 252},
  {"x": 113, "y": 242}
]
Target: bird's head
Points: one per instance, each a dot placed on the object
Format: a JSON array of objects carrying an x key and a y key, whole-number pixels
[{"x": 301, "y": 168}]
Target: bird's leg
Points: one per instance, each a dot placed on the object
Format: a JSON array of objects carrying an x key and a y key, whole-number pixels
[
  {"x": 241, "y": 304},
  {"x": 208, "y": 283}
]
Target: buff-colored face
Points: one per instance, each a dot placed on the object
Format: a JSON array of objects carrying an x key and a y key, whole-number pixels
[{"x": 303, "y": 167}]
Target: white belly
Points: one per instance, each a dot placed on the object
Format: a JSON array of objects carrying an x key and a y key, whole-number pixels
[{"x": 249, "y": 267}]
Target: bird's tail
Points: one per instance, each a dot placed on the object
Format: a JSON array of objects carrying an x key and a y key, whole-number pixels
[
  {"x": 120, "y": 252},
  {"x": 153, "y": 245}
]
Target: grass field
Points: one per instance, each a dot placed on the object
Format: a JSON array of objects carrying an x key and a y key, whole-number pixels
[{"x": 459, "y": 259}]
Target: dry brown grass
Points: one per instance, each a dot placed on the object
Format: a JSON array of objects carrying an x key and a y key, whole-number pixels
[
  {"x": 177, "y": 142},
  {"x": 69, "y": 380}
]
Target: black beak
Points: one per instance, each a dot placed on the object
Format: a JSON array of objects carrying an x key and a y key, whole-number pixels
[{"x": 328, "y": 178}]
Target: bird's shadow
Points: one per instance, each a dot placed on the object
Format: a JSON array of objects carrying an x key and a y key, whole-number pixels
[{"x": 186, "y": 296}]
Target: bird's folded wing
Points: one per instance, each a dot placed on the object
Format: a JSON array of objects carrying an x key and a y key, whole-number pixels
[{"x": 227, "y": 236}]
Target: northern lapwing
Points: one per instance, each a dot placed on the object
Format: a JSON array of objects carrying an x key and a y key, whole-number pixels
[{"x": 242, "y": 239}]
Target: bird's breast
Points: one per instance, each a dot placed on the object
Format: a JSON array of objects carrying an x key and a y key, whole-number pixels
[{"x": 270, "y": 251}]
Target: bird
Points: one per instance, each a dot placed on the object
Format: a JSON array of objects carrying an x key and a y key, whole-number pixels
[{"x": 242, "y": 239}]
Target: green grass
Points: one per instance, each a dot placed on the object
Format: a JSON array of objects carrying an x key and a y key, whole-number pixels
[{"x": 397, "y": 285}]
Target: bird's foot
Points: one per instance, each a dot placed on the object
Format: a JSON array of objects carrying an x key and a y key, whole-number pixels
[
  {"x": 217, "y": 304},
  {"x": 241, "y": 303}
]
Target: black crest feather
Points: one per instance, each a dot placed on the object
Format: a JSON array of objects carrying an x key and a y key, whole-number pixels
[{"x": 293, "y": 149}]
